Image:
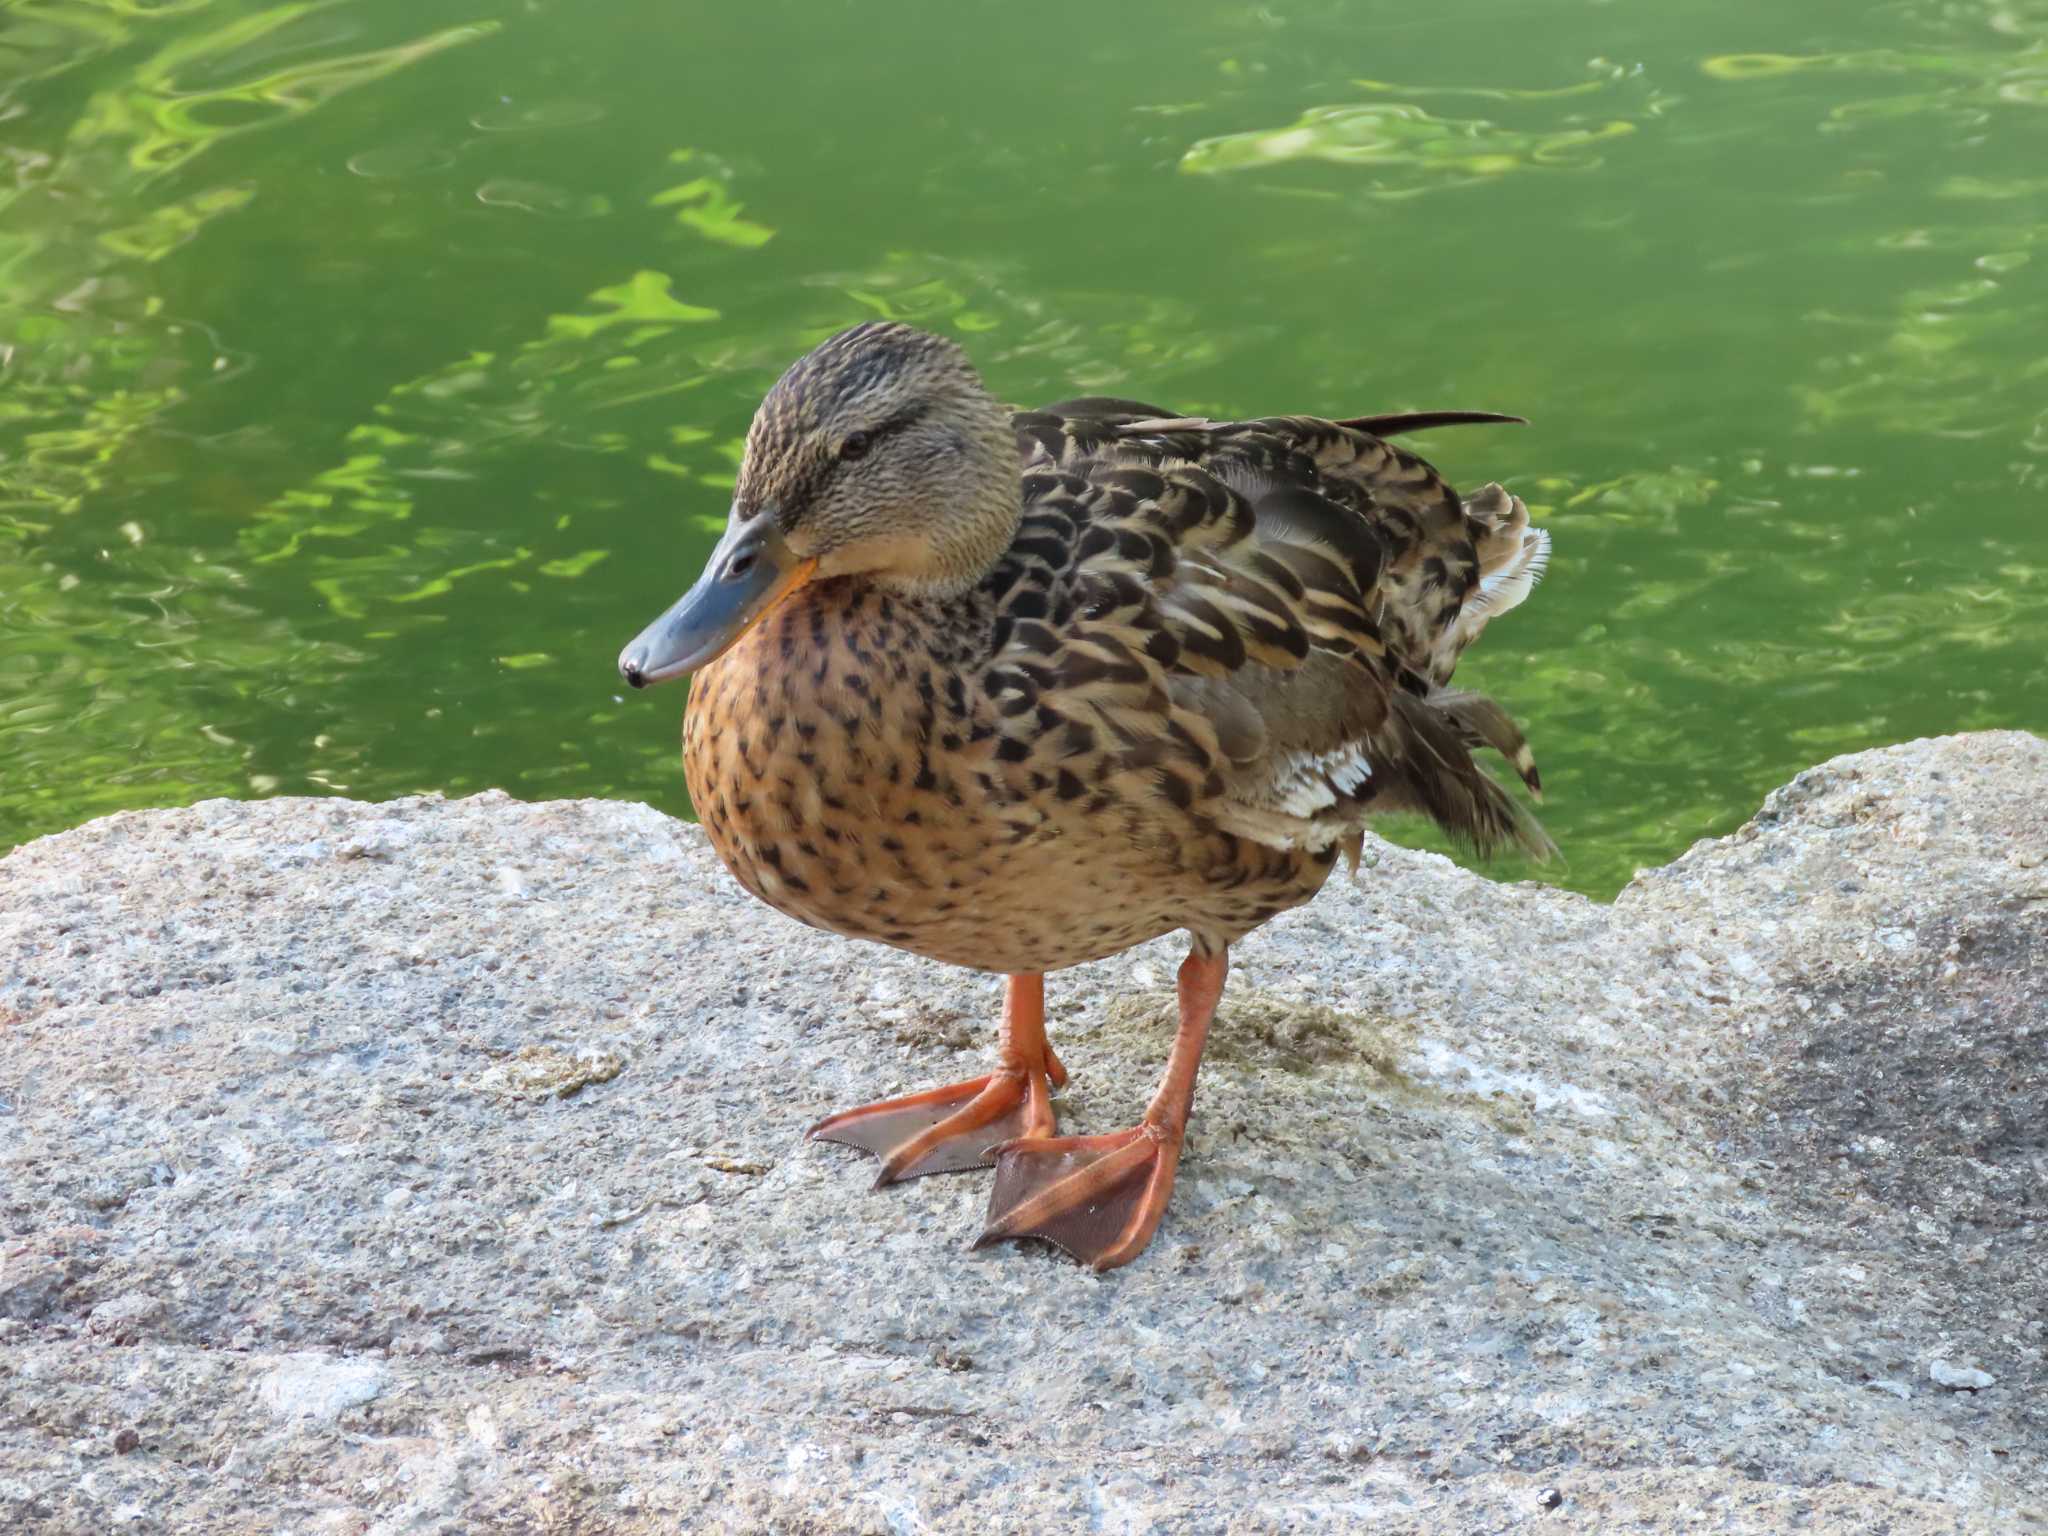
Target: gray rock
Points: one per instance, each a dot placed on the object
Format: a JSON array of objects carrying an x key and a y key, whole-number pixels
[
  {"x": 495, "y": 1111},
  {"x": 313, "y": 1386},
  {"x": 31, "y": 1285},
  {"x": 1958, "y": 1378},
  {"x": 125, "y": 1318}
]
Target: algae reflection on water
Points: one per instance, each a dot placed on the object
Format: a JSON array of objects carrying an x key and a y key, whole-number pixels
[{"x": 365, "y": 372}]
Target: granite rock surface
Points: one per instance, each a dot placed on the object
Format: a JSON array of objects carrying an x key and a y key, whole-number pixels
[{"x": 438, "y": 1167}]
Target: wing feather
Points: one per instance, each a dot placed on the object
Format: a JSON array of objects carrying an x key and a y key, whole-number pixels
[{"x": 1270, "y": 612}]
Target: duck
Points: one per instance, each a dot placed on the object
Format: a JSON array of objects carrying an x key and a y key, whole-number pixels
[{"x": 1016, "y": 690}]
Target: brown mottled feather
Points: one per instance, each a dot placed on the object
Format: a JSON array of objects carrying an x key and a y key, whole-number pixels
[{"x": 1208, "y": 654}]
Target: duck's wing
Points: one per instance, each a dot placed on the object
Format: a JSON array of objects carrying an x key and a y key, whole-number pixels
[{"x": 1301, "y": 588}]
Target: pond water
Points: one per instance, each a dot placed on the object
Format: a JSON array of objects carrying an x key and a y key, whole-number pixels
[{"x": 370, "y": 371}]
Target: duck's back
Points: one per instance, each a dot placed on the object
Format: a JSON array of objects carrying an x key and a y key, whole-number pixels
[{"x": 1318, "y": 583}]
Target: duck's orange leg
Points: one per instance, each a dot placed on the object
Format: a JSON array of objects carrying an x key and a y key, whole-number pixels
[
  {"x": 1101, "y": 1197},
  {"x": 944, "y": 1130}
]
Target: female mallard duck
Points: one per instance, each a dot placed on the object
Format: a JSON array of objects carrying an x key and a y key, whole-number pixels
[{"x": 1016, "y": 691}]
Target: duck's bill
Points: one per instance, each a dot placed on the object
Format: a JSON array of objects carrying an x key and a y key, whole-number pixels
[{"x": 749, "y": 572}]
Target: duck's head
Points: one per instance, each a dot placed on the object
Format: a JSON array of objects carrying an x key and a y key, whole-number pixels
[{"x": 880, "y": 455}]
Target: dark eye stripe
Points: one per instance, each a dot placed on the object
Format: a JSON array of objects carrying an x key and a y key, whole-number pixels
[{"x": 874, "y": 435}]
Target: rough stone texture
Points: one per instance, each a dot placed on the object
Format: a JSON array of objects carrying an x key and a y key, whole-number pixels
[{"x": 438, "y": 1167}]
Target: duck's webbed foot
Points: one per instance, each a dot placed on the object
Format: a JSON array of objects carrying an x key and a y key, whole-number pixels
[
  {"x": 945, "y": 1130},
  {"x": 1100, "y": 1197}
]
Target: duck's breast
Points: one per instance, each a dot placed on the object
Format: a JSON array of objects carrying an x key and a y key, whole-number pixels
[{"x": 838, "y": 760}]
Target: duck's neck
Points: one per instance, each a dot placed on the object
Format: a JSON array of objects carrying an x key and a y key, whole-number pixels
[
  {"x": 978, "y": 523},
  {"x": 960, "y": 562}
]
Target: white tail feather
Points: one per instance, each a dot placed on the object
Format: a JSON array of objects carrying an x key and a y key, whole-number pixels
[{"x": 1512, "y": 559}]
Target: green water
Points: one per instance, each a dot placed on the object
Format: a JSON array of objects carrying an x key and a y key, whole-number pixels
[{"x": 369, "y": 372}]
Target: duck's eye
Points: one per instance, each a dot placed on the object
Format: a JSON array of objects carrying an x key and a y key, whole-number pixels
[{"x": 855, "y": 446}]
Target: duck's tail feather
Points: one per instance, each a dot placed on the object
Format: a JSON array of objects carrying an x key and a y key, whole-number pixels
[
  {"x": 1512, "y": 557},
  {"x": 1483, "y": 723},
  {"x": 1432, "y": 771},
  {"x": 1394, "y": 422}
]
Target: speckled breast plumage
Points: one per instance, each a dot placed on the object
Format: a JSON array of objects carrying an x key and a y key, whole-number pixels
[{"x": 847, "y": 766}]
